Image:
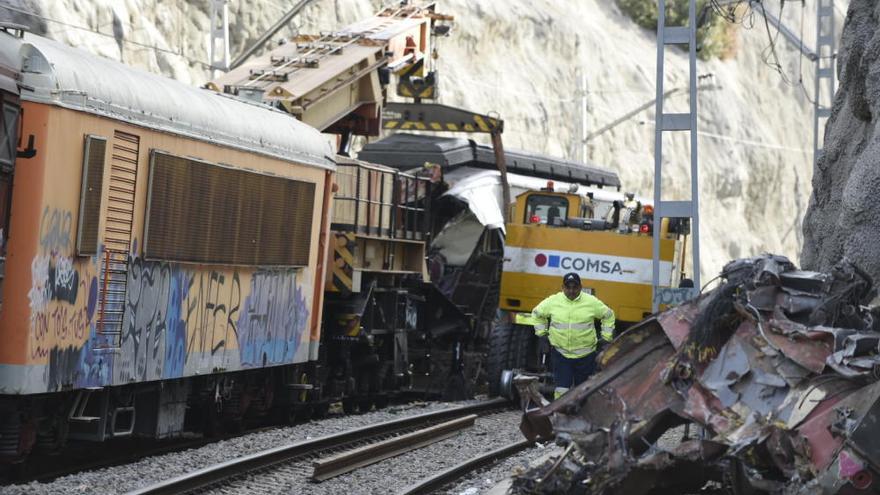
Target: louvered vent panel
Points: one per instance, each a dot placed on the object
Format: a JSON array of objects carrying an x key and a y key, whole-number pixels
[
  {"x": 90, "y": 196},
  {"x": 204, "y": 213}
]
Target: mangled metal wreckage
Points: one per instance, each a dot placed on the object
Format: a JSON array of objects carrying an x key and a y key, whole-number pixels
[{"x": 767, "y": 384}]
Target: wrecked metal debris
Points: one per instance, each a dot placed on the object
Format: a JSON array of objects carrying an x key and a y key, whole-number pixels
[{"x": 766, "y": 384}]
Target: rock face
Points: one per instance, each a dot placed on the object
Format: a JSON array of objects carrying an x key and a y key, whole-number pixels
[
  {"x": 841, "y": 220},
  {"x": 522, "y": 59}
]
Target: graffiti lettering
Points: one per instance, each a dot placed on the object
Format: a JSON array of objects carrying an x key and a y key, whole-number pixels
[
  {"x": 63, "y": 280},
  {"x": 56, "y": 315},
  {"x": 210, "y": 310},
  {"x": 273, "y": 319},
  {"x": 39, "y": 293},
  {"x": 174, "y": 321},
  {"x": 674, "y": 296},
  {"x": 55, "y": 228},
  {"x": 144, "y": 323},
  {"x": 63, "y": 368}
]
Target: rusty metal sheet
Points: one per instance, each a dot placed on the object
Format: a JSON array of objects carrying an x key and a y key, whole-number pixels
[
  {"x": 623, "y": 379},
  {"x": 676, "y": 322},
  {"x": 778, "y": 406},
  {"x": 809, "y": 349}
]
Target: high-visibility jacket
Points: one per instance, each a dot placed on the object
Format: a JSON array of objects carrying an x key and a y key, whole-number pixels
[{"x": 570, "y": 323}]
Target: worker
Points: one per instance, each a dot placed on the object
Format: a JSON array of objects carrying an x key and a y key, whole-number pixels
[{"x": 568, "y": 318}]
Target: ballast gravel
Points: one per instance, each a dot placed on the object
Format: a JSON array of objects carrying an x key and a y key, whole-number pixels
[
  {"x": 147, "y": 471},
  {"x": 487, "y": 479},
  {"x": 484, "y": 480},
  {"x": 394, "y": 474}
]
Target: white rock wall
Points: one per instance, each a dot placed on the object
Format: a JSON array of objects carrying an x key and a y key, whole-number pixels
[{"x": 522, "y": 59}]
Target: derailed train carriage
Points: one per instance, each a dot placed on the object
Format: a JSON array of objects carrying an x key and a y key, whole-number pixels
[
  {"x": 157, "y": 238},
  {"x": 387, "y": 327}
]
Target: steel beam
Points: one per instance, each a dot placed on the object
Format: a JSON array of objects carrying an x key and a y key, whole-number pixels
[
  {"x": 256, "y": 45},
  {"x": 675, "y": 122}
]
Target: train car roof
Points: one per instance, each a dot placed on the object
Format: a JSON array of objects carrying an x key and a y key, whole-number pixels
[
  {"x": 10, "y": 62},
  {"x": 407, "y": 151},
  {"x": 57, "y": 74}
]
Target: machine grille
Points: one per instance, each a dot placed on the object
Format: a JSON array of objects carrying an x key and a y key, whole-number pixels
[
  {"x": 206, "y": 213},
  {"x": 90, "y": 195}
]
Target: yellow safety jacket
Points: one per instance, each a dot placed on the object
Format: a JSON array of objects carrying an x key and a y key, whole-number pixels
[{"x": 570, "y": 323}]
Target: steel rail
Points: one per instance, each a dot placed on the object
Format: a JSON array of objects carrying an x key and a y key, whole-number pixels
[
  {"x": 350, "y": 460},
  {"x": 211, "y": 475},
  {"x": 443, "y": 478}
]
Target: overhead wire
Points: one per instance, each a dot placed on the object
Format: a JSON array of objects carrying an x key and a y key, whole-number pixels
[
  {"x": 106, "y": 35},
  {"x": 769, "y": 55}
]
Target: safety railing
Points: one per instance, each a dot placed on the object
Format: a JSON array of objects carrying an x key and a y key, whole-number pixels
[{"x": 382, "y": 202}]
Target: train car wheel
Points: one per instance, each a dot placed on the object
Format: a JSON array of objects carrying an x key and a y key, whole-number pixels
[
  {"x": 381, "y": 401},
  {"x": 321, "y": 409},
  {"x": 349, "y": 406}
]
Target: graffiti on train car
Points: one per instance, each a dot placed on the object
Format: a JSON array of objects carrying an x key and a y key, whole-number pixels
[
  {"x": 212, "y": 306},
  {"x": 144, "y": 326},
  {"x": 273, "y": 316},
  {"x": 55, "y": 230},
  {"x": 178, "y": 319},
  {"x": 63, "y": 289}
]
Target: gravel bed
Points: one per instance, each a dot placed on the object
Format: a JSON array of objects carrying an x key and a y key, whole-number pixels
[
  {"x": 394, "y": 474},
  {"x": 485, "y": 479},
  {"x": 124, "y": 478}
]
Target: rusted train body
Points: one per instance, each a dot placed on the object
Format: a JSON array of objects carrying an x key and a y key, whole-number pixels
[{"x": 156, "y": 239}]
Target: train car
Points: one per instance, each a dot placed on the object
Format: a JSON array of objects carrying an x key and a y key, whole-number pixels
[
  {"x": 388, "y": 328},
  {"x": 164, "y": 251}
]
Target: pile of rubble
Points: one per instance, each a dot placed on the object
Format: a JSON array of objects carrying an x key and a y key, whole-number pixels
[{"x": 770, "y": 383}]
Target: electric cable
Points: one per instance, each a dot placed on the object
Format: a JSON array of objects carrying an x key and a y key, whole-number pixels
[{"x": 106, "y": 35}]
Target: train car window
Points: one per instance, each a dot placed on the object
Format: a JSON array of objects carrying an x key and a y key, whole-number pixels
[
  {"x": 7, "y": 134},
  {"x": 200, "y": 212},
  {"x": 91, "y": 191},
  {"x": 543, "y": 208}
]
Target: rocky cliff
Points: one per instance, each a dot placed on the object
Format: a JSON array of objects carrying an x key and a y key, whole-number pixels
[
  {"x": 522, "y": 59},
  {"x": 841, "y": 219}
]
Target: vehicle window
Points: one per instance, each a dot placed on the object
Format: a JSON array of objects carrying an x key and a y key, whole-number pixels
[
  {"x": 7, "y": 133},
  {"x": 545, "y": 208}
]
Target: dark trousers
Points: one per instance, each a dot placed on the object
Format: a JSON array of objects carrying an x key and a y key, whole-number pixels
[{"x": 570, "y": 373}]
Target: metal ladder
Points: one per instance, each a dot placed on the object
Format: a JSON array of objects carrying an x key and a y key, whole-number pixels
[
  {"x": 665, "y": 122},
  {"x": 824, "y": 74},
  {"x": 117, "y": 237}
]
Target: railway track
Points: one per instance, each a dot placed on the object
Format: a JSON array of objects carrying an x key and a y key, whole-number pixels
[
  {"x": 459, "y": 471},
  {"x": 328, "y": 456}
]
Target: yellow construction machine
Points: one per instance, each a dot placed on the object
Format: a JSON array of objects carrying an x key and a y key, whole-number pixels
[{"x": 605, "y": 237}]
